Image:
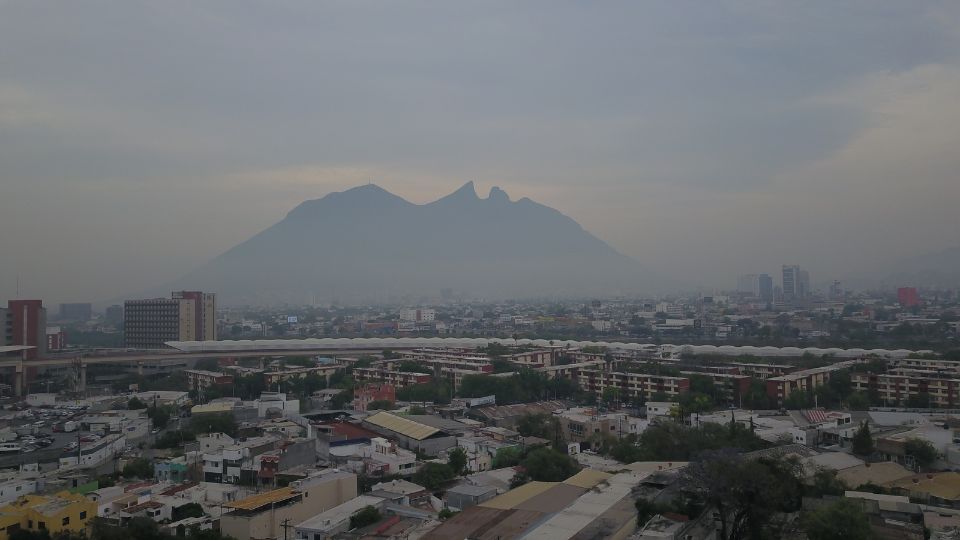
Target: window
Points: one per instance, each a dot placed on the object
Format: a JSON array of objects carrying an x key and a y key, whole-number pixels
[
  {"x": 66, "y": 521},
  {"x": 41, "y": 525},
  {"x": 83, "y": 514},
  {"x": 29, "y": 523}
]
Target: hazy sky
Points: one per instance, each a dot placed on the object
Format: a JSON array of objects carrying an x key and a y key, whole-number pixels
[{"x": 706, "y": 139}]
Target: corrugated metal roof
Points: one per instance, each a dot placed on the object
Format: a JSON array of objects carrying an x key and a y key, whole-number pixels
[
  {"x": 403, "y": 426},
  {"x": 518, "y": 495},
  {"x": 256, "y": 501},
  {"x": 587, "y": 478}
]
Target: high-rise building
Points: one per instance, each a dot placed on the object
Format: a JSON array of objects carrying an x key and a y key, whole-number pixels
[
  {"x": 908, "y": 297},
  {"x": 765, "y": 287},
  {"x": 25, "y": 323},
  {"x": 836, "y": 291},
  {"x": 185, "y": 316},
  {"x": 747, "y": 284},
  {"x": 78, "y": 311},
  {"x": 796, "y": 283}
]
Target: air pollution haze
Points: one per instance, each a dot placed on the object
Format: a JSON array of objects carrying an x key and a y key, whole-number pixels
[{"x": 140, "y": 142}]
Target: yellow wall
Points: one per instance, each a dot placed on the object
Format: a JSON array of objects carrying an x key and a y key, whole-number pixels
[{"x": 25, "y": 513}]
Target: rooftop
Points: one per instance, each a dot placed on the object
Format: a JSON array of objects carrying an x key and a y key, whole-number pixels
[
  {"x": 404, "y": 426},
  {"x": 263, "y": 499}
]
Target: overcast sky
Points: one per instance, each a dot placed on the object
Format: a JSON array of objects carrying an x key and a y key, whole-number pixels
[{"x": 706, "y": 139}]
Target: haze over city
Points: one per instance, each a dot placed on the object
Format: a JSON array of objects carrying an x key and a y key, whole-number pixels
[{"x": 703, "y": 141}]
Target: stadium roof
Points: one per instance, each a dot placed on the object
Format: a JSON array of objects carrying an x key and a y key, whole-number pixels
[
  {"x": 267, "y": 345},
  {"x": 403, "y": 426}
]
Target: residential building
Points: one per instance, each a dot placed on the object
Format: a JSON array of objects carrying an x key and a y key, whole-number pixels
[
  {"x": 780, "y": 388},
  {"x": 198, "y": 379},
  {"x": 369, "y": 393},
  {"x": 899, "y": 385},
  {"x": 63, "y": 512},
  {"x": 418, "y": 315},
  {"x": 264, "y": 516},
  {"x": 630, "y": 386},
  {"x": 398, "y": 379},
  {"x": 56, "y": 338}
]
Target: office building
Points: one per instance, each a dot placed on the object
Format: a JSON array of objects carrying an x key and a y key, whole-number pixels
[
  {"x": 185, "y": 316},
  {"x": 796, "y": 283},
  {"x": 748, "y": 284},
  {"x": 765, "y": 287},
  {"x": 80, "y": 311},
  {"x": 25, "y": 323}
]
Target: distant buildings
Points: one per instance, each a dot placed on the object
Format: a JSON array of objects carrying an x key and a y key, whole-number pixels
[
  {"x": 185, "y": 316},
  {"x": 81, "y": 311},
  {"x": 908, "y": 297},
  {"x": 114, "y": 314},
  {"x": 757, "y": 286},
  {"x": 418, "y": 315}
]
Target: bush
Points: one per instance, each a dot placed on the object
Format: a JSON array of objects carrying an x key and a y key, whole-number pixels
[
  {"x": 138, "y": 468},
  {"x": 368, "y": 516}
]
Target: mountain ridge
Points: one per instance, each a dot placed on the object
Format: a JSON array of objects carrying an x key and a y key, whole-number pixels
[{"x": 367, "y": 245}]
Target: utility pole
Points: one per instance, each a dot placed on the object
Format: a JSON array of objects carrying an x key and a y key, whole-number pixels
[{"x": 285, "y": 524}]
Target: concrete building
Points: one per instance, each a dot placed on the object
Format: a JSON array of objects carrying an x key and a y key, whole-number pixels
[
  {"x": 369, "y": 393},
  {"x": 185, "y": 316},
  {"x": 632, "y": 385},
  {"x": 265, "y": 515},
  {"x": 398, "y": 379},
  {"x": 198, "y": 379},
  {"x": 336, "y": 519},
  {"x": 897, "y": 387},
  {"x": 780, "y": 388}
]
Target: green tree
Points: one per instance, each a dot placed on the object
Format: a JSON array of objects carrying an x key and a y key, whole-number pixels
[
  {"x": 457, "y": 460},
  {"x": 923, "y": 452},
  {"x": 214, "y": 423},
  {"x": 858, "y": 401},
  {"x": 381, "y": 405},
  {"x": 188, "y": 510},
  {"x": 862, "y": 441},
  {"x": 368, "y": 516},
  {"x": 843, "y": 519},
  {"x": 825, "y": 482},
  {"x": 138, "y": 468},
  {"x": 748, "y": 494},
  {"x": 549, "y": 465},
  {"x": 135, "y": 404},
  {"x": 446, "y": 514},
  {"x": 507, "y": 457},
  {"x": 433, "y": 475}
]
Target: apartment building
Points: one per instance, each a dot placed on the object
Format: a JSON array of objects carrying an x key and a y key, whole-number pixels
[
  {"x": 274, "y": 378},
  {"x": 398, "y": 379},
  {"x": 763, "y": 371},
  {"x": 896, "y": 388},
  {"x": 198, "y": 379},
  {"x": 368, "y": 393},
  {"x": 731, "y": 386},
  {"x": 632, "y": 385},
  {"x": 780, "y": 388}
]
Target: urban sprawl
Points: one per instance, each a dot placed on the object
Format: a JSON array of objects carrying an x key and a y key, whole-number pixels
[{"x": 767, "y": 411}]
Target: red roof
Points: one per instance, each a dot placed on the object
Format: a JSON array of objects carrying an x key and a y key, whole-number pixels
[{"x": 351, "y": 431}]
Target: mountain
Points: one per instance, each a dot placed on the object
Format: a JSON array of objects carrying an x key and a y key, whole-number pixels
[{"x": 368, "y": 245}]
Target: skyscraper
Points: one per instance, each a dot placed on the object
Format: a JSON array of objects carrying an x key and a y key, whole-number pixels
[
  {"x": 747, "y": 283},
  {"x": 765, "y": 287},
  {"x": 791, "y": 282}
]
